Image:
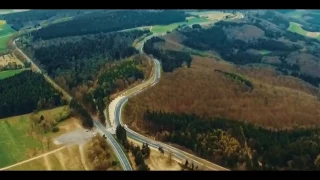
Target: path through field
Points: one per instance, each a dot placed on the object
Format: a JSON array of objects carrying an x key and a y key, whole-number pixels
[{"x": 31, "y": 159}]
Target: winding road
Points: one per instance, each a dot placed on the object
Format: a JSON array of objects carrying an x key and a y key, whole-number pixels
[{"x": 108, "y": 130}]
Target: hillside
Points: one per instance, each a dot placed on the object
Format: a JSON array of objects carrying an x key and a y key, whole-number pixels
[{"x": 202, "y": 105}]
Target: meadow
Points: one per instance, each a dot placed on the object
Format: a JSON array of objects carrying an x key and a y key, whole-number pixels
[
  {"x": 170, "y": 27},
  {"x": 5, "y": 32},
  {"x": 295, "y": 27},
  {"x": 19, "y": 142}
]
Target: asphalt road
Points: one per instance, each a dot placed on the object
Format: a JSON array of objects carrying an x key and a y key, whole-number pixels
[
  {"x": 124, "y": 161},
  {"x": 179, "y": 154}
]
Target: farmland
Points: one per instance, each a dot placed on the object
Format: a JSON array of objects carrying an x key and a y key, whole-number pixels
[
  {"x": 170, "y": 27},
  {"x": 9, "y": 58},
  {"x": 295, "y": 27},
  {"x": 9, "y": 73},
  {"x": 5, "y": 32},
  {"x": 19, "y": 142}
]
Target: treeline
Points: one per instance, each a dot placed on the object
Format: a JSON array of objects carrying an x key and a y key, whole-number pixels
[
  {"x": 170, "y": 59},
  {"x": 315, "y": 18},
  {"x": 19, "y": 19},
  {"x": 236, "y": 77},
  {"x": 25, "y": 93},
  {"x": 78, "y": 59},
  {"x": 315, "y": 81},
  {"x": 224, "y": 142},
  {"x": 275, "y": 19},
  {"x": 126, "y": 72},
  {"x": 79, "y": 111},
  {"x": 311, "y": 28},
  {"x": 216, "y": 39},
  {"x": 140, "y": 154},
  {"x": 107, "y": 21}
]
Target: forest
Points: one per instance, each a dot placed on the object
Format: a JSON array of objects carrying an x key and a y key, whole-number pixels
[
  {"x": 115, "y": 78},
  {"x": 224, "y": 141},
  {"x": 26, "y": 92},
  {"x": 169, "y": 59},
  {"x": 108, "y": 21},
  {"x": 315, "y": 18},
  {"x": 216, "y": 39},
  {"x": 76, "y": 60},
  {"x": 78, "y": 110},
  {"x": 19, "y": 19},
  {"x": 275, "y": 19}
]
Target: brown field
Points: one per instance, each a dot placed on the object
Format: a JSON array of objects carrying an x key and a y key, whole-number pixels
[
  {"x": 68, "y": 158},
  {"x": 245, "y": 32},
  {"x": 6, "y": 59},
  {"x": 275, "y": 102},
  {"x": 213, "y": 15},
  {"x": 308, "y": 63},
  {"x": 313, "y": 34}
]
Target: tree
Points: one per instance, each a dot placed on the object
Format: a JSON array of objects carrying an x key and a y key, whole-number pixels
[
  {"x": 169, "y": 158},
  {"x": 139, "y": 160},
  {"x": 145, "y": 150},
  {"x": 186, "y": 164},
  {"x": 41, "y": 118},
  {"x": 196, "y": 26},
  {"x": 161, "y": 150}
]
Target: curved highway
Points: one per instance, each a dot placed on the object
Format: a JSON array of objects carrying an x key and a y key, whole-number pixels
[
  {"x": 179, "y": 154},
  {"x": 124, "y": 161}
]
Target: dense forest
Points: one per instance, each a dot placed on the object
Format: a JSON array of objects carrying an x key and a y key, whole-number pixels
[
  {"x": 25, "y": 93},
  {"x": 276, "y": 19},
  {"x": 79, "y": 111},
  {"x": 76, "y": 60},
  {"x": 169, "y": 59},
  {"x": 19, "y": 19},
  {"x": 224, "y": 141},
  {"x": 216, "y": 39},
  {"x": 107, "y": 21},
  {"x": 315, "y": 18},
  {"x": 115, "y": 78}
]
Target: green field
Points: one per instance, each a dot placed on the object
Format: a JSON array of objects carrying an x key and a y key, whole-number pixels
[
  {"x": 5, "y": 32},
  {"x": 264, "y": 52},
  {"x": 295, "y": 27},
  {"x": 170, "y": 27},
  {"x": 15, "y": 141},
  {"x": 9, "y": 73}
]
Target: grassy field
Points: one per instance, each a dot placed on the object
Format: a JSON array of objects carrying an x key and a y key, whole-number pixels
[
  {"x": 18, "y": 144},
  {"x": 5, "y": 32},
  {"x": 7, "y": 11},
  {"x": 170, "y": 27},
  {"x": 295, "y": 27},
  {"x": 9, "y": 73},
  {"x": 264, "y": 52}
]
